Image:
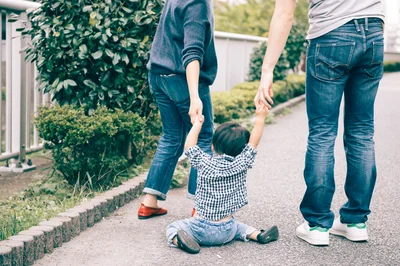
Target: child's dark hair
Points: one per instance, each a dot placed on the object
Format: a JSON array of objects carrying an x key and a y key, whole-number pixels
[{"x": 230, "y": 138}]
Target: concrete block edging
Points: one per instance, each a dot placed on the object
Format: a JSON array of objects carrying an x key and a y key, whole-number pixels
[{"x": 23, "y": 249}]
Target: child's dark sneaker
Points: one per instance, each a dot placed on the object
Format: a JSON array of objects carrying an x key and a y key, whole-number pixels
[
  {"x": 186, "y": 242},
  {"x": 269, "y": 235}
]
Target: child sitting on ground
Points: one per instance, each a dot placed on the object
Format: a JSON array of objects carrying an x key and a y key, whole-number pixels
[{"x": 221, "y": 188}]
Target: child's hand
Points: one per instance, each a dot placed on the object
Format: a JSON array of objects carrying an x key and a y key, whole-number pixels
[
  {"x": 198, "y": 120},
  {"x": 261, "y": 111}
]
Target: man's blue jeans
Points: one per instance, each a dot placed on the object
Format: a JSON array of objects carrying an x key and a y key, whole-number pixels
[
  {"x": 172, "y": 96},
  {"x": 349, "y": 61}
]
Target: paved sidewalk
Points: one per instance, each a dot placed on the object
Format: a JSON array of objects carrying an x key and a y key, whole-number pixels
[{"x": 275, "y": 186}]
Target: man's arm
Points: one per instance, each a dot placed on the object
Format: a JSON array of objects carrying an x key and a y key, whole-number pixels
[{"x": 281, "y": 23}]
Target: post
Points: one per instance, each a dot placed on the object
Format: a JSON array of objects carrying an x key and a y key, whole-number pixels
[
  {"x": 17, "y": 90},
  {"x": 37, "y": 101},
  {"x": 22, "y": 101},
  {"x": 1, "y": 82},
  {"x": 9, "y": 79},
  {"x": 21, "y": 166}
]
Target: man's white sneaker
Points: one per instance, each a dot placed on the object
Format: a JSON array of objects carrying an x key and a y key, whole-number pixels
[
  {"x": 316, "y": 236},
  {"x": 353, "y": 232}
]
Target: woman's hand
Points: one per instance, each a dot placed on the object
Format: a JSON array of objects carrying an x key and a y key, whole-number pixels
[{"x": 196, "y": 109}]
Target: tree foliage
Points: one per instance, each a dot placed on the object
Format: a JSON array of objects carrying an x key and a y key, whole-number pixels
[
  {"x": 254, "y": 17},
  {"x": 93, "y": 53}
]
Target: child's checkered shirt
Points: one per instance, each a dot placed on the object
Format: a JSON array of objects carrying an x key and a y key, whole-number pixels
[{"x": 221, "y": 181}]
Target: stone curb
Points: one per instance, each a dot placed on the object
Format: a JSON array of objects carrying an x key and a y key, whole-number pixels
[
  {"x": 17, "y": 252},
  {"x": 30, "y": 245},
  {"x": 280, "y": 108},
  {"x": 29, "y": 248},
  {"x": 5, "y": 255}
]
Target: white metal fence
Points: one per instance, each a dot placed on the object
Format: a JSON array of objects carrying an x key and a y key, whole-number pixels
[
  {"x": 19, "y": 99},
  {"x": 233, "y": 53}
]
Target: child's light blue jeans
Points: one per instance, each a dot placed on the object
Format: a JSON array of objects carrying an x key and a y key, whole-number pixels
[{"x": 208, "y": 233}]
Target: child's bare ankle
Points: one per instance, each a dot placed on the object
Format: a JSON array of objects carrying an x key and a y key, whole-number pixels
[{"x": 253, "y": 236}]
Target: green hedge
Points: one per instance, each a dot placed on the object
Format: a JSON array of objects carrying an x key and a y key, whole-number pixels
[
  {"x": 92, "y": 149},
  {"x": 391, "y": 66},
  {"x": 239, "y": 102}
]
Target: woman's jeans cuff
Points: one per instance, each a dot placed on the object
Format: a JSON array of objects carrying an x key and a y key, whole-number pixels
[
  {"x": 190, "y": 196},
  {"x": 158, "y": 194}
]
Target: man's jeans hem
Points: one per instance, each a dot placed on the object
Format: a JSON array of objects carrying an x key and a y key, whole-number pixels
[{"x": 160, "y": 196}]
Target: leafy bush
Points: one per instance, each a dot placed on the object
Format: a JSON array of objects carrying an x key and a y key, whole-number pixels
[
  {"x": 391, "y": 66},
  {"x": 296, "y": 45},
  {"x": 239, "y": 102},
  {"x": 256, "y": 61},
  {"x": 289, "y": 60},
  {"x": 87, "y": 149},
  {"x": 94, "y": 52}
]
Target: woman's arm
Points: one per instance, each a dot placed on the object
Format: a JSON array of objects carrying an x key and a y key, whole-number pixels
[
  {"x": 196, "y": 20},
  {"x": 192, "y": 76}
]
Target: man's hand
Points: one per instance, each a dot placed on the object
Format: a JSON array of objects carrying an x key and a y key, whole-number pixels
[
  {"x": 265, "y": 93},
  {"x": 196, "y": 110},
  {"x": 261, "y": 111}
]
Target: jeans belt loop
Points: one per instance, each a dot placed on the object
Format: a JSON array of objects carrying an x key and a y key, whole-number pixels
[
  {"x": 366, "y": 24},
  {"x": 357, "y": 25}
]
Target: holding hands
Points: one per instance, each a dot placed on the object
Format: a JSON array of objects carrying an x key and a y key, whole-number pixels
[
  {"x": 196, "y": 110},
  {"x": 265, "y": 93},
  {"x": 198, "y": 120},
  {"x": 261, "y": 111}
]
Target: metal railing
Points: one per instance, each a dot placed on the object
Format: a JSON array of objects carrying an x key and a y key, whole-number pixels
[{"x": 20, "y": 99}]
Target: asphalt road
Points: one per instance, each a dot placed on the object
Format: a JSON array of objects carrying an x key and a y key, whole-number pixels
[{"x": 275, "y": 186}]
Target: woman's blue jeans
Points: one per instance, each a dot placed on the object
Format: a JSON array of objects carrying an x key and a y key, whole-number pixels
[
  {"x": 347, "y": 61},
  {"x": 172, "y": 96}
]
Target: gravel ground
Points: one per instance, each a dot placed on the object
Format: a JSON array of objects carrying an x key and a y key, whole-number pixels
[{"x": 276, "y": 187}]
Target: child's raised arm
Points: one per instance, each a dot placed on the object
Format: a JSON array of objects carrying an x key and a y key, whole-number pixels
[
  {"x": 191, "y": 139},
  {"x": 256, "y": 134}
]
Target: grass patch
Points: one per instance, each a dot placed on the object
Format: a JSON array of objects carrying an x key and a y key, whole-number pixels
[
  {"x": 45, "y": 199},
  {"x": 180, "y": 175},
  {"x": 40, "y": 201}
]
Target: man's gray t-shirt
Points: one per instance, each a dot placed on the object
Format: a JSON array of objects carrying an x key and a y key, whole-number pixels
[{"x": 327, "y": 15}]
